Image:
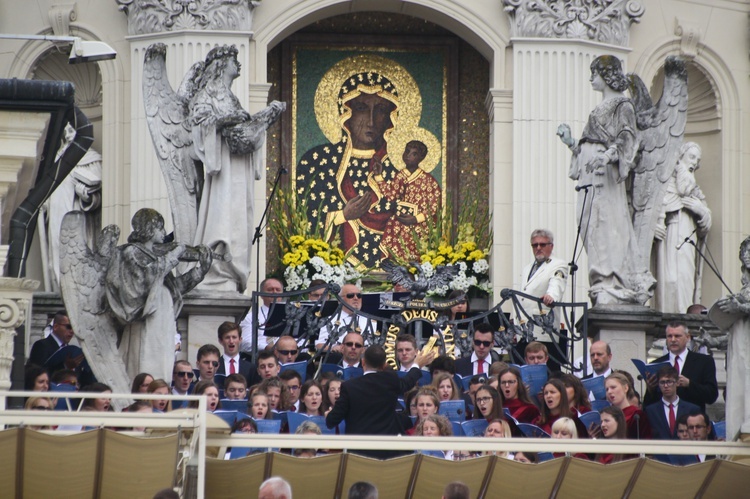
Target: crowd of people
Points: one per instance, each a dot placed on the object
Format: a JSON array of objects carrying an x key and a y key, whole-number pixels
[{"x": 492, "y": 393}]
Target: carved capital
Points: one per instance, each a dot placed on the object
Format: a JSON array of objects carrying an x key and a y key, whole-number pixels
[
  {"x": 604, "y": 21},
  {"x": 15, "y": 304},
  {"x": 158, "y": 16},
  {"x": 690, "y": 34},
  {"x": 60, "y": 16}
]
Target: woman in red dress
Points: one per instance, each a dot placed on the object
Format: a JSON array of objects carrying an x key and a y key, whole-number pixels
[
  {"x": 618, "y": 390},
  {"x": 515, "y": 396}
]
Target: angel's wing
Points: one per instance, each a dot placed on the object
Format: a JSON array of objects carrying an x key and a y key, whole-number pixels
[
  {"x": 397, "y": 274},
  {"x": 82, "y": 274},
  {"x": 166, "y": 114},
  {"x": 662, "y": 128}
]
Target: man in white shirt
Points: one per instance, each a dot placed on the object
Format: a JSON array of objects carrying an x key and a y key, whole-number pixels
[
  {"x": 352, "y": 296},
  {"x": 269, "y": 285}
]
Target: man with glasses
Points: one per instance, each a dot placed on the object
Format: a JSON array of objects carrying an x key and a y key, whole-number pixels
[
  {"x": 545, "y": 278},
  {"x": 351, "y": 295},
  {"x": 483, "y": 355},
  {"x": 352, "y": 345},
  {"x": 62, "y": 333},
  {"x": 697, "y": 372},
  {"x": 208, "y": 362},
  {"x": 664, "y": 414},
  {"x": 293, "y": 381},
  {"x": 182, "y": 378},
  {"x": 699, "y": 429}
]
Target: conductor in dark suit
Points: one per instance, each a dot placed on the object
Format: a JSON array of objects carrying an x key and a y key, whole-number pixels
[
  {"x": 697, "y": 372},
  {"x": 62, "y": 333},
  {"x": 369, "y": 403}
]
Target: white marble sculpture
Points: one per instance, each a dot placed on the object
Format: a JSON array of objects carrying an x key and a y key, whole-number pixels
[
  {"x": 209, "y": 149},
  {"x": 686, "y": 216},
  {"x": 626, "y": 141},
  {"x": 733, "y": 314},
  {"x": 128, "y": 292},
  {"x": 80, "y": 190}
]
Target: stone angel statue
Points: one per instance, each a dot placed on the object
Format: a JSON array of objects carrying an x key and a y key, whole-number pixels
[
  {"x": 209, "y": 149},
  {"x": 126, "y": 295},
  {"x": 625, "y": 142}
]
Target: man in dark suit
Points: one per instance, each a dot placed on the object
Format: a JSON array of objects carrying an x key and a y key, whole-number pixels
[
  {"x": 62, "y": 333},
  {"x": 482, "y": 357},
  {"x": 663, "y": 415},
  {"x": 230, "y": 337},
  {"x": 368, "y": 403},
  {"x": 697, "y": 380}
]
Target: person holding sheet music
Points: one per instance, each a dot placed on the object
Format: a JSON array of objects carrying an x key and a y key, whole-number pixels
[
  {"x": 515, "y": 396},
  {"x": 697, "y": 382},
  {"x": 311, "y": 398},
  {"x": 269, "y": 285},
  {"x": 483, "y": 355},
  {"x": 618, "y": 388},
  {"x": 663, "y": 415}
]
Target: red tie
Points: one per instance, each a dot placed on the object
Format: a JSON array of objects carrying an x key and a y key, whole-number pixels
[
  {"x": 480, "y": 366},
  {"x": 677, "y": 365},
  {"x": 232, "y": 370},
  {"x": 671, "y": 419}
]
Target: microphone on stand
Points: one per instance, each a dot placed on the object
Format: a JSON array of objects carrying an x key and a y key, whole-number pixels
[
  {"x": 686, "y": 239},
  {"x": 637, "y": 418},
  {"x": 583, "y": 187}
]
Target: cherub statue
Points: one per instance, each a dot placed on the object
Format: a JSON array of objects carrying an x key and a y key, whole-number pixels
[
  {"x": 209, "y": 149},
  {"x": 625, "y": 140},
  {"x": 128, "y": 293}
]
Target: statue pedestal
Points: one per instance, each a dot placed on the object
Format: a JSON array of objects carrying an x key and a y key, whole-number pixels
[
  {"x": 624, "y": 328},
  {"x": 204, "y": 313}
]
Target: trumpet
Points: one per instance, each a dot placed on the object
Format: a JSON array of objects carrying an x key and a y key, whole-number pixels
[{"x": 191, "y": 254}]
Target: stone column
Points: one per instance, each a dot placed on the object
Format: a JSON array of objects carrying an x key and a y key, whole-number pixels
[
  {"x": 15, "y": 311},
  {"x": 553, "y": 46}
]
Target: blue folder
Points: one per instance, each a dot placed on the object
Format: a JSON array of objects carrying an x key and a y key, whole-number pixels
[
  {"x": 300, "y": 367},
  {"x": 424, "y": 381},
  {"x": 234, "y": 405},
  {"x": 340, "y": 372},
  {"x": 455, "y": 410},
  {"x": 595, "y": 386}
]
